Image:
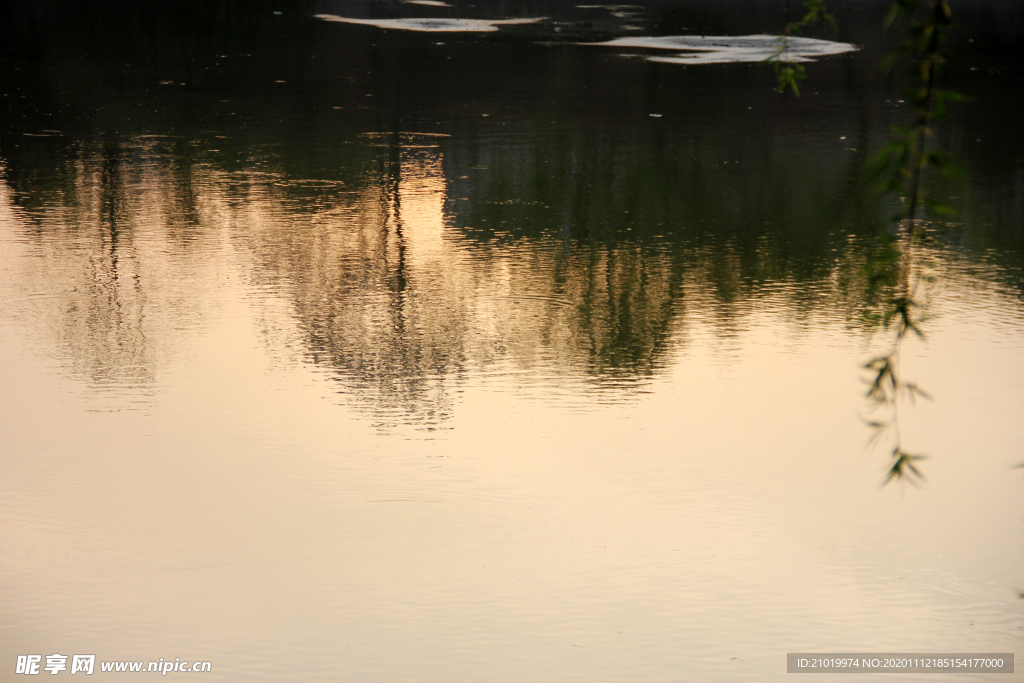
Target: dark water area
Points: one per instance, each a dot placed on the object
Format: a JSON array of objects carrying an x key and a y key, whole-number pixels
[
  {"x": 593, "y": 322},
  {"x": 570, "y": 122}
]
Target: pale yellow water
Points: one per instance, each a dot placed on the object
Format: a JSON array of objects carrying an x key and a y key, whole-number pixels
[{"x": 240, "y": 446}]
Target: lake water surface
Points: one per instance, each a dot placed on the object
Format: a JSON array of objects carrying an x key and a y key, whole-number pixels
[{"x": 334, "y": 352}]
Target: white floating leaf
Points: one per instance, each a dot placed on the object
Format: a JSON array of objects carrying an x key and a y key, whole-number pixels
[{"x": 730, "y": 49}]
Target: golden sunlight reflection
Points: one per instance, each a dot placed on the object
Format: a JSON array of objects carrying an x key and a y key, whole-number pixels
[{"x": 358, "y": 422}]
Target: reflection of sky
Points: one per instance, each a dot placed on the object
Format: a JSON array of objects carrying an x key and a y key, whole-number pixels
[
  {"x": 257, "y": 415},
  {"x": 247, "y": 518}
]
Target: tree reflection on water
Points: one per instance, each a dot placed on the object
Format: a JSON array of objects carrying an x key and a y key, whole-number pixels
[
  {"x": 390, "y": 283},
  {"x": 427, "y": 214}
]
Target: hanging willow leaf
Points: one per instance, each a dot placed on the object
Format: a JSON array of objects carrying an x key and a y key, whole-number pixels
[{"x": 903, "y": 468}]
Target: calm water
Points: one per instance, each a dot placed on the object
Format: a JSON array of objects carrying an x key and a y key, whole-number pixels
[{"x": 333, "y": 352}]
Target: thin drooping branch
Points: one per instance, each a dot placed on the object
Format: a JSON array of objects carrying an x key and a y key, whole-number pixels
[{"x": 901, "y": 165}]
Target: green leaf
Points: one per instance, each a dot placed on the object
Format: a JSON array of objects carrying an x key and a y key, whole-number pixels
[{"x": 903, "y": 467}]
